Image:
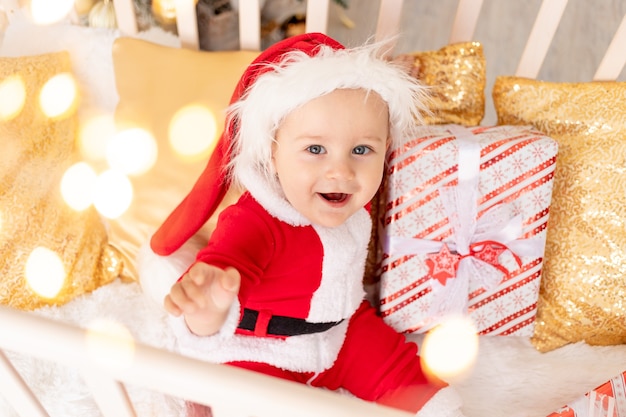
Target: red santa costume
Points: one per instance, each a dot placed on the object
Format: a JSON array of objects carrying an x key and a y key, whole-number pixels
[{"x": 301, "y": 312}]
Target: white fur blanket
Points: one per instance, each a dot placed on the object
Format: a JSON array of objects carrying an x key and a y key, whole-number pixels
[{"x": 510, "y": 378}]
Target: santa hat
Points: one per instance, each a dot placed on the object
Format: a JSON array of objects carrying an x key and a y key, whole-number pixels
[{"x": 283, "y": 77}]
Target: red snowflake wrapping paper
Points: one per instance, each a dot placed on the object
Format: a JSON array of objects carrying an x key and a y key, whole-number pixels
[
  {"x": 607, "y": 400},
  {"x": 463, "y": 229}
]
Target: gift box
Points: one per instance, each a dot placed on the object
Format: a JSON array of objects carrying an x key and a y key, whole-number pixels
[
  {"x": 463, "y": 227},
  {"x": 607, "y": 400}
]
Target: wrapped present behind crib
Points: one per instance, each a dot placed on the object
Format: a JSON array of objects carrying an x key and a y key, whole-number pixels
[
  {"x": 464, "y": 227},
  {"x": 607, "y": 400}
]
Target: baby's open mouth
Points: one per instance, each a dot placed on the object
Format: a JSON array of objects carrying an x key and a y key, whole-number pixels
[{"x": 334, "y": 197}]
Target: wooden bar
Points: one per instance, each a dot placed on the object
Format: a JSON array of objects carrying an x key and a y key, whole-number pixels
[
  {"x": 179, "y": 376},
  {"x": 125, "y": 15},
  {"x": 540, "y": 38},
  {"x": 249, "y": 25},
  {"x": 465, "y": 21},
  {"x": 317, "y": 16},
  {"x": 187, "y": 24},
  {"x": 388, "y": 25},
  {"x": 110, "y": 396},
  {"x": 17, "y": 393},
  {"x": 614, "y": 59}
]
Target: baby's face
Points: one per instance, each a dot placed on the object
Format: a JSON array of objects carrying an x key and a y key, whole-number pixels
[{"x": 330, "y": 154}]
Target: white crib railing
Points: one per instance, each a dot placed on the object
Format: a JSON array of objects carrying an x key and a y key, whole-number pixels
[
  {"x": 541, "y": 36},
  {"x": 388, "y": 24},
  {"x": 249, "y": 20},
  {"x": 219, "y": 386}
]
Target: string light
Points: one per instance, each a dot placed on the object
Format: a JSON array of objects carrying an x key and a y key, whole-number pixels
[
  {"x": 113, "y": 193},
  {"x": 132, "y": 151},
  {"x": 45, "y": 273},
  {"x": 94, "y": 134},
  {"x": 45, "y": 12},
  {"x": 193, "y": 132},
  {"x": 449, "y": 350},
  {"x": 58, "y": 96},
  {"x": 77, "y": 185},
  {"x": 12, "y": 97}
]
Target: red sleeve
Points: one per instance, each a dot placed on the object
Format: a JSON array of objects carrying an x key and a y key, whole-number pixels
[{"x": 242, "y": 239}]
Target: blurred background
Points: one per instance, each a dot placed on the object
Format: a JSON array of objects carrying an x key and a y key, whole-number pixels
[{"x": 578, "y": 47}]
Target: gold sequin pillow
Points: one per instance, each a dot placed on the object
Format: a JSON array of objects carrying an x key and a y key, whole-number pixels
[
  {"x": 456, "y": 74},
  {"x": 583, "y": 287},
  {"x": 36, "y": 226}
]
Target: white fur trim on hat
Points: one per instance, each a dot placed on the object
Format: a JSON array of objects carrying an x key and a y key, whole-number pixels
[{"x": 299, "y": 78}]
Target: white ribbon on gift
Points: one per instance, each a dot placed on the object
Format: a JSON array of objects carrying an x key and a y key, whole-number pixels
[
  {"x": 497, "y": 224},
  {"x": 594, "y": 405}
]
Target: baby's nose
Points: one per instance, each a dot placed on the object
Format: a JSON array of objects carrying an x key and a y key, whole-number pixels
[{"x": 340, "y": 169}]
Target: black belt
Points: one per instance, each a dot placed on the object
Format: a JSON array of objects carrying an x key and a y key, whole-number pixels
[{"x": 284, "y": 326}]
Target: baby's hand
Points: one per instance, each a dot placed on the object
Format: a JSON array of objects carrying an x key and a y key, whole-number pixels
[{"x": 204, "y": 296}]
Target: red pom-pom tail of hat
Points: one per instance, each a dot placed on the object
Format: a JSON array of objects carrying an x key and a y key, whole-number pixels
[{"x": 211, "y": 187}]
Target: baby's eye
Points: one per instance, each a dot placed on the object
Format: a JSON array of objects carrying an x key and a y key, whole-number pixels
[
  {"x": 361, "y": 150},
  {"x": 316, "y": 149}
]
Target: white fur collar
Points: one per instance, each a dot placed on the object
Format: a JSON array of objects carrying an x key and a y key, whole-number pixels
[{"x": 270, "y": 195}]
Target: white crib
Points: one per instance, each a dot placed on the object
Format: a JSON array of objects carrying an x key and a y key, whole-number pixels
[{"x": 230, "y": 391}]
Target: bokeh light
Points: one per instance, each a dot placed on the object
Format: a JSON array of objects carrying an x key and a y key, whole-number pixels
[
  {"x": 58, "y": 96},
  {"x": 164, "y": 10},
  {"x": 449, "y": 350},
  {"x": 193, "y": 132},
  {"x": 12, "y": 97},
  {"x": 45, "y": 12},
  {"x": 45, "y": 273},
  {"x": 77, "y": 186},
  {"x": 94, "y": 134},
  {"x": 113, "y": 193},
  {"x": 110, "y": 344},
  {"x": 132, "y": 151}
]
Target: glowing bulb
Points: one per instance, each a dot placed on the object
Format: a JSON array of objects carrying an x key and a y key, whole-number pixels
[
  {"x": 132, "y": 151},
  {"x": 45, "y": 12},
  {"x": 12, "y": 97},
  {"x": 113, "y": 194},
  {"x": 110, "y": 344},
  {"x": 449, "y": 350},
  {"x": 58, "y": 95},
  {"x": 45, "y": 273},
  {"x": 94, "y": 134},
  {"x": 77, "y": 185},
  {"x": 192, "y": 131},
  {"x": 164, "y": 11}
]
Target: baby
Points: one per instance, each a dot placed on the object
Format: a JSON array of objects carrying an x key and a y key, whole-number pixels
[{"x": 278, "y": 288}]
